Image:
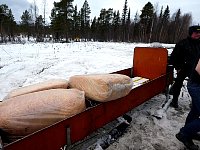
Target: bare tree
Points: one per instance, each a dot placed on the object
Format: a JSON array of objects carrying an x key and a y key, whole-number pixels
[{"x": 35, "y": 9}]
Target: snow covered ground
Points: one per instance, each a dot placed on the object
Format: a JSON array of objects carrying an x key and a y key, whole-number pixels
[
  {"x": 25, "y": 64},
  {"x": 148, "y": 133}
]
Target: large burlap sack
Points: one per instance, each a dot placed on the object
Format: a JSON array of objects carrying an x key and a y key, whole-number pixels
[
  {"x": 102, "y": 87},
  {"x": 46, "y": 85},
  {"x": 25, "y": 114}
]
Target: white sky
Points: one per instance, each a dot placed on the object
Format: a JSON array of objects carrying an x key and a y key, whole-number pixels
[{"x": 19, "y": 6}]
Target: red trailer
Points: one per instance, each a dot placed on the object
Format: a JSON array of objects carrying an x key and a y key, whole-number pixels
[{"x": 148, "y": 63}]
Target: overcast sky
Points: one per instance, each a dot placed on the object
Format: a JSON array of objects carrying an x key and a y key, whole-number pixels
[{"x": 186, "y": 6}]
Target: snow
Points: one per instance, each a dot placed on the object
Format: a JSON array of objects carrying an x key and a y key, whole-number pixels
[
  {"x": 29, "y": 63},
  {"x": 25, "y": 64}
]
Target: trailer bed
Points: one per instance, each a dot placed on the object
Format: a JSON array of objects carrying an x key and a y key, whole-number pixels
[{"x": 149, "y": 63}]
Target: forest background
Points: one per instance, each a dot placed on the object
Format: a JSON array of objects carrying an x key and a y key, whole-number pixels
[{"x": 69, "y": 24}]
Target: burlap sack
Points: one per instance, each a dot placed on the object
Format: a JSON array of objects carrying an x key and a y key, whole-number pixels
[
  {"x": 102, "y": 87},
  {"x": 25, "y": 114},
  {"x": 50, "y": 84}
]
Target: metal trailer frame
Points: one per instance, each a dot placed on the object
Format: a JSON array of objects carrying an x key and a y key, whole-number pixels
[{"x": 148, "y": 62}]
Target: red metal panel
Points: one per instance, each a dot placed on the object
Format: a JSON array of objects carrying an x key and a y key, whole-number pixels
[{"x": 149, "y": 62}]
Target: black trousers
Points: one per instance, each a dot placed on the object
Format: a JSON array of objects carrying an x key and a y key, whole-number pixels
[{"x": 176, "y": 88}]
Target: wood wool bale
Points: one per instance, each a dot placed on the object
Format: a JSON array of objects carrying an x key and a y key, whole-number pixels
[
  {"x": 46, "y": 85},
  {"x": 102, "y": 87},
  {"x": 25, "y": 114}
]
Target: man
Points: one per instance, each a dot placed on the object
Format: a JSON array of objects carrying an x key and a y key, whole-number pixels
[
  {"x": 178, "y": 60},
  {"x": 191, "y": 55}
]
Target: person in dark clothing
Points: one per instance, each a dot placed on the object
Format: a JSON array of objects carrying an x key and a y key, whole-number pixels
[
  {"x": 178, "y": 59},
  {"x": 191, "y": 128}
]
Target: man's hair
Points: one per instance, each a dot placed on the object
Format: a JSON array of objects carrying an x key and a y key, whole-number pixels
[{"x": 194, "y": 29}]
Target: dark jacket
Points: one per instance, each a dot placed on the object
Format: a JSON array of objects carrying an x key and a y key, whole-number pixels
[{"x": 185, "y": 55}]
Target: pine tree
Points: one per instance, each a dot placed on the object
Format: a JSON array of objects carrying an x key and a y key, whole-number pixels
[
  {"x": 85, "y": 19},
  {"x": 116, "y": 26},
  {"x": 124, "y": 18},
  {"x": 164, "y": 24},
  {"x": 26, "y": 22},
  {"x": 177, "y": 22},
  {"x": 135, "y": 27},
  {"x": 62, "y": 18},
  {"x": 56, "y": 23},
  {"x": 7, "y": 23},
  {"x": 77, "y": 24},
  {"x": 105, "y": 24},
  {"x": 108, "y": 23},
  {"x": 94, "y": 29},
  {"x": 146, "y": 21},
  {"x": 154, "y": 27},
  {"x": 11, "y": 24},
  {"x": 39, "y": 26},
  {"x": 102, "y": 25}
]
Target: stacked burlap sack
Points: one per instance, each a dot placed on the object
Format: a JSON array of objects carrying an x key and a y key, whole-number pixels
[
  {"x": 102, "y": 87},
  {"x": 31, "y": 108}
]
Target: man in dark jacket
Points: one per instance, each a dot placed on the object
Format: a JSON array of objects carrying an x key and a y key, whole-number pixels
[
  {"x": 191, "y": 55},
  {"x": 181, "y": 59}
]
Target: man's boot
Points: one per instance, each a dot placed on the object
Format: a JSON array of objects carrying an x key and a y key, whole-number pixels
[{"x": 187, "y": 142}]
